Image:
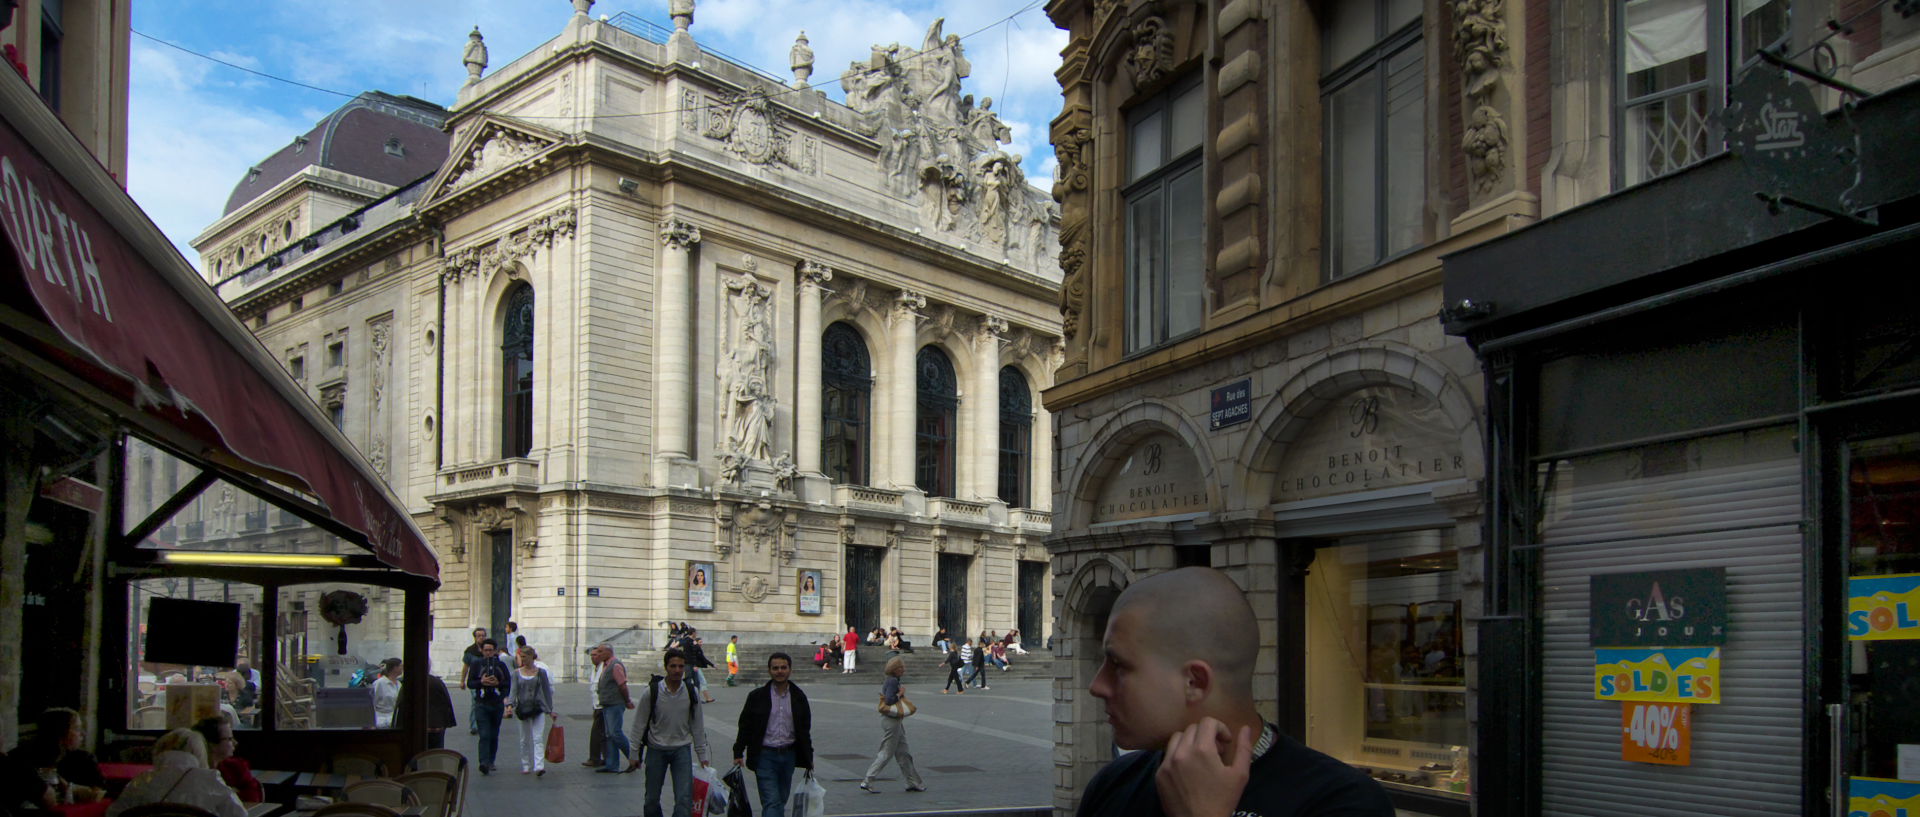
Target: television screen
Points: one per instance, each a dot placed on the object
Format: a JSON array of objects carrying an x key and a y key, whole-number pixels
[{"x": 200, "y": 633}]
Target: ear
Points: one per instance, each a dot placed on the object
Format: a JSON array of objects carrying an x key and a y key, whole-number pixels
[{"x": 1198, "y": 681}]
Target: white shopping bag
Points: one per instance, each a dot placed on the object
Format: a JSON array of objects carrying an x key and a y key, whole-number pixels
[
  {"x": 809, "y": 799},
  {"x": 709, "y": 793}
]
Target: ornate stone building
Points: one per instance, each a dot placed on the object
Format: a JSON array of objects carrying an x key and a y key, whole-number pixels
[{"x": 664, "y": 338}]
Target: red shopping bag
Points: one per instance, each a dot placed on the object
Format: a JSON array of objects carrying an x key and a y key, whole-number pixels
[
  {"x": 700, "y": 786},
  {"x": 557, "y": 744}
]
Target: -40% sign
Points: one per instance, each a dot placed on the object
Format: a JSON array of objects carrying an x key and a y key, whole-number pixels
[{"x": 1656, "y": 733}]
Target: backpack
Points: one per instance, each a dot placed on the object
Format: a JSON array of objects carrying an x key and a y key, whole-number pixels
[{"x": 653, "y": 703}]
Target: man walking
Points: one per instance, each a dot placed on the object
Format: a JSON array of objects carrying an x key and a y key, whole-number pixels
[
  {"x": 733, "y": 661},
  {"x": 487, "y": 678},
  {"x": 980, "y": 664},
  {"x": 467, "y": 660},
  {"x": 670, "y": 734},
  {"x": 775, "y": 735},
  {"x": 610, "y": 695},
  {"x": 597, "y": 736},
  {"x": 1178, "y": 684}
]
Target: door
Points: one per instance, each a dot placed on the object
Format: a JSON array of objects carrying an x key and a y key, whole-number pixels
[
  {"x": 500, "y": 590},
  {"x": 952, "y": 611},
  {"x": 861, "y": 591},
  {"x": 1881, "y": 743},
  {"x": 1033, "y": 580}
]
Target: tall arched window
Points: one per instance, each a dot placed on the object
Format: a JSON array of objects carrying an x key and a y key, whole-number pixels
[
  {"x": 1016, "y": 437},
  {"x": 516, "y": 363},
  {"x": 846, "y": 383},
  {"x": 939, "y": 395}
]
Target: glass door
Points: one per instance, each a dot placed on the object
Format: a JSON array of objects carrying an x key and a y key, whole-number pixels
[{"x": 1881, "y": 744}]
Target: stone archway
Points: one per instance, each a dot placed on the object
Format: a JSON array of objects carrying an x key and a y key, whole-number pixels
[
  {"x": 1084, "y": 607},
  {"x": 1111, "y": 448}
]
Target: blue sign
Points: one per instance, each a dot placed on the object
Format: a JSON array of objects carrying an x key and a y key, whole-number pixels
[{"x": 1232, "y": 404}]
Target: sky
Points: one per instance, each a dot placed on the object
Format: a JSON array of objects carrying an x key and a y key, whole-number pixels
[{"x": 197, "y": 125}]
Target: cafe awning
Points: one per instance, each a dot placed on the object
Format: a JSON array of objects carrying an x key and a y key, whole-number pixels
[{"x": 96, "y": 292}]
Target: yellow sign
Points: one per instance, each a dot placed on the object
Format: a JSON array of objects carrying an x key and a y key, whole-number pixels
[
  {"x": 1681, "y": 675},
  {"x": 1875, "y": 797},
  {"x": 1656, "y": 733},
  {"x": 1883, "y": 608}
]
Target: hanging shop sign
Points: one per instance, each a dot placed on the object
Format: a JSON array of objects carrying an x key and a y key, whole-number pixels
[
  {"x": 1232, "y": 404},
  {"x": 1661, "y": 675},
  {"x": 1376, "y": 437},
  {"x": 1883, "y": 608},
  {"x": 1661, "y": 608},
  {"x": 1876, "y": 797},
  {"x": 1656, "y": 733}
]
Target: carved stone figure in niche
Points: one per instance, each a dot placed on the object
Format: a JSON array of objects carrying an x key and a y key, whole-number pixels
[
  {"x": 984, "y": 128},
  {"x": 1479, "y": 42},
  {"x": 748, "y": 371},
  {"x": 943, "y": 191},
  {"x": 1485, "y": 142},
  {"x": 475, "y": 57},
  {"x": 784, "y": 471},
  {"x": 1000, "y": 183}
]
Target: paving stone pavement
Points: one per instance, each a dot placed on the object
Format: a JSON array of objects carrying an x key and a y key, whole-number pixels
[{"x": 987, "y": 749}]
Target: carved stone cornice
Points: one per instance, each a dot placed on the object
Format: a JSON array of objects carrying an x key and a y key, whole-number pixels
[
  {"x": 678, "y": 235},
  {"x": 992, "y": 328},
  {"x": 907, "y": 306},
  {"x": 484, "y": 259}
]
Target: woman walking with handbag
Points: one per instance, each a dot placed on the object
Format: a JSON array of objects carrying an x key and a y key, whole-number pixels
[
  {"x": 894, "y": 711},
  {"x": 530, "y": 703}
]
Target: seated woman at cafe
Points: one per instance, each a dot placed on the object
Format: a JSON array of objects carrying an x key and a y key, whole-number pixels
[
  {"x": 180, "y": 775},
  {"x": 51, "y": 769},
  {"x": 217, "y": 731}
]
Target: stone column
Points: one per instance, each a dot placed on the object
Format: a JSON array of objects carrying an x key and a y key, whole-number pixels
[
  {"x": 806, "y": 402},
  {"x": 673, "y": 377},
  {"x": 986, "y": 412},
  {"x": 903, "y": 324}
]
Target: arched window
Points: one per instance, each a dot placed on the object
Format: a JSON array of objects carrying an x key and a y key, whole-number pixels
[
  {"x": 1016, "y": 438},
  {"x": 846, "y": 383},
  {"x": 516, "y": 363},
  {"x": 933, "y": 443}
]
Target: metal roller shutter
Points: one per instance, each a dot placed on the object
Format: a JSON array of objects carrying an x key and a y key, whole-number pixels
[{"x": 1744, "y": 516}]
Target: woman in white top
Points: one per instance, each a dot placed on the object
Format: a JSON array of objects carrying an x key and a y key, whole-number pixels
[
  {"x": 180, "y": 775},
  {"x": 386, "y": 693}
]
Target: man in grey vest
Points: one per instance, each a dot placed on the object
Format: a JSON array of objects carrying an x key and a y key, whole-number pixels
[{"x": 610, "y": 695}]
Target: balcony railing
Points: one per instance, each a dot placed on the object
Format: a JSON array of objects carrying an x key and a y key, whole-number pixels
[
  {"x": 516, "y": 473},
  {"x": 857, "y": 496},
  {"x": 1031, "y": 519},
  {"x": 254, "y": 521},
  {"x": 961, "y": 510}
]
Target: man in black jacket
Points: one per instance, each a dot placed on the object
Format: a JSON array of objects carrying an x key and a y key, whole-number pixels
[
  {"x": 1178, "y": 683},
  {"x": 775, "y": 736}
]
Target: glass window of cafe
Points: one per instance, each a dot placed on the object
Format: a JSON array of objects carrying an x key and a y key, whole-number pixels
[{"x": 1386, "y": 688}]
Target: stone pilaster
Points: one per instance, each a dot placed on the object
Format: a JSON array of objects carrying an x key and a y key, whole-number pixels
[
  {"x": 903, "y": 334},
  {"x": 673, "y": 392},
  {"x": 806, "y": 421},
  {"x": 986, "y": 399}
]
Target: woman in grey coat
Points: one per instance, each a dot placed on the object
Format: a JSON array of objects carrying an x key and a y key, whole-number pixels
[
  {"x": 893, "y": 733},
  {"x": 531, "y": 703}
]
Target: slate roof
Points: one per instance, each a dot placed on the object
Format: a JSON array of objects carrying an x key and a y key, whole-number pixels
[{"x": 354, "y": 140}]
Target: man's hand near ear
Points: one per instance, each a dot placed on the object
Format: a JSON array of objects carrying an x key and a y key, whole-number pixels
[{"x": 1204, "y": 770}]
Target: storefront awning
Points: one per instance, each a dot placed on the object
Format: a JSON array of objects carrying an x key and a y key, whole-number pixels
[{"x": 100, "y": 293}]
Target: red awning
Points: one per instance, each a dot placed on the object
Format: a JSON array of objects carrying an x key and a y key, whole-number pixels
[{"x": 141, "y": 325}]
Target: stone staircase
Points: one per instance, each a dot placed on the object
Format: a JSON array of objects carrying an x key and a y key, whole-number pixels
[{"x": 923, "y": 665}]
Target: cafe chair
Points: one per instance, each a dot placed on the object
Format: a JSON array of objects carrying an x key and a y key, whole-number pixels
[
  {"x": 437, "y": 791},
  {"x": 356, "y": 810},
  {"x": 357, "y": 764},
  {"x": 451, "y": 762},
  {"x": 390, "y": 793},
  {"x": 166, "y": 810},
  {"x": 150, "y": 717}
]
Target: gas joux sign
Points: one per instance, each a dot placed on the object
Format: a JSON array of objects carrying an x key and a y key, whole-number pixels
[{"x": 1663, "y": 608}]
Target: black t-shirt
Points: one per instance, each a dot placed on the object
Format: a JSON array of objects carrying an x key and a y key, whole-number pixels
[{"x": 1290, "y": 780}]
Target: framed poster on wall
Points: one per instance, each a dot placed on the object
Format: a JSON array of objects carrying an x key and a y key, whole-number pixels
[
  {"x": 809, "y": 596},
  {"x": 700, "y": 586}
]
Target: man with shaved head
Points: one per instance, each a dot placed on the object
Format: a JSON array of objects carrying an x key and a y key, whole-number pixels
[{"x": 1178, "y": 684}]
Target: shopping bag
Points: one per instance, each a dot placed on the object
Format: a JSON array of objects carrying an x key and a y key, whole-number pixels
[
  {"x": 737, "y": 805},
  {"x": 809, "y": 799},
  {"x": 709, "y": 794},
  {"x": 557, "y": 744}
]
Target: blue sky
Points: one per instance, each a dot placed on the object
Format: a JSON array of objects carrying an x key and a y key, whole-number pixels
[{"x": 196, "y": 125}]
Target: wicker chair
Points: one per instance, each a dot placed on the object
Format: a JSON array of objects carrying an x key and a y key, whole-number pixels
[
  {"x": 362, "y": 765},
  {"x": 451, "y": 762},
  {"x": 356, "y": 810},
  {"x": 439, "y": 792},
  {"x": 149, "y": 717},
  {"x": 390, "y": 793}
]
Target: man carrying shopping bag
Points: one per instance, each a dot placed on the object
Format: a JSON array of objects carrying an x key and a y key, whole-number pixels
[
  {"x": 775, "y": 735},
  {"x": 669, "y": 735}
]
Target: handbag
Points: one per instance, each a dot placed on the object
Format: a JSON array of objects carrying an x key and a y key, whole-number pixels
[
  {"x": 902, "y": 708},
  {"x": 557, "y": 744}
]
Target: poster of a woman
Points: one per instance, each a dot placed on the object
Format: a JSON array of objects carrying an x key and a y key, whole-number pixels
[
  {"x": 809, "y": 592},
  {"x": 700, "y": 586}
]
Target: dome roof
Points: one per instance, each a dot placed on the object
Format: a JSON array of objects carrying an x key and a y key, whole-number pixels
[{"x": 379, "y": 136}]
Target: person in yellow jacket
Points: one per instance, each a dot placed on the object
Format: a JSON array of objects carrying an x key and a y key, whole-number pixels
[{"x": 733, "y": 661}]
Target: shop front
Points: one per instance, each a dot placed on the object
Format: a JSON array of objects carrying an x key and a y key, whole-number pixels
[
  {"x": 175, "y": 505},
  {"x": 1702, "y": 453}
]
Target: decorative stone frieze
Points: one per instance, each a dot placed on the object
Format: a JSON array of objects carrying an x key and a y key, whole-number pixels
[
  {"x": 755, "y": 129},
  {"x": 483, "y": 260},
  {"x": 1480, "y": 48}
]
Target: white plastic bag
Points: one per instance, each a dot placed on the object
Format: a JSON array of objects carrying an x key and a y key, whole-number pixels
[
  {"x": 714, "y": 802},
  {"x": 809, "y": 799}
]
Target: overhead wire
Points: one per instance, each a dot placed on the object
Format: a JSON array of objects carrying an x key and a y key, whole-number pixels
[{"x": 784, "y": 91}]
